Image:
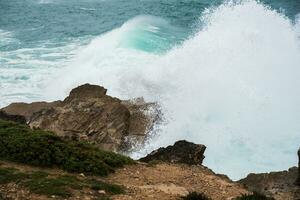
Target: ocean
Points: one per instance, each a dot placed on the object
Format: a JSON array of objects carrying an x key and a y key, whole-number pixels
[{"x": 225, "y": 73}]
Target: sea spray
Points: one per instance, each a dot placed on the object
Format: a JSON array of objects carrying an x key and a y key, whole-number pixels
[{"x": 232, "y": 85}]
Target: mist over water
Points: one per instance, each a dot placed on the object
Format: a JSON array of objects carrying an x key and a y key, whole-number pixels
[{"x": 232, "y": 85}]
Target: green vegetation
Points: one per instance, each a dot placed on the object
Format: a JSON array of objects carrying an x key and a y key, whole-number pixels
[
  {"x": 18, "y": 143},
  {"x": 42, "y": 183},
  {"x": 255, "y": 196},
  {"x": 195, "y": 196}
]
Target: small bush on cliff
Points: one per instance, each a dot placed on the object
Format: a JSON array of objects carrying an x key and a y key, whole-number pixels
[
  {"x": 19, "y": 143},
  {"x": 1, "y": 197},
  {"x": 195, "y": 196},
  {"x": 255, "y": 196}
]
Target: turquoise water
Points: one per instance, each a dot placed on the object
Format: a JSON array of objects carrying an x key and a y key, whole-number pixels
[
  {"x": 43, "y": 34},
  {"x": 226, "y": 74},
  {"x": 60, "y": 21}
]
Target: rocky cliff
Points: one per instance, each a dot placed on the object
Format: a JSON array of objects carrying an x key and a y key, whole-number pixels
[
  {"x": 89, "y": 114},
  {"x": 280, "y": 185}
]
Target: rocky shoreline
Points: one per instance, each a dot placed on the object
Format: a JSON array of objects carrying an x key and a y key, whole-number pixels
[{"x": 89, "y": 115}]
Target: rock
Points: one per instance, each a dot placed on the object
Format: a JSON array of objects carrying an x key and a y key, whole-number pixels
[
  {"x": 143, "y": 118},
  {"x": 298, "y": 180},
  {"x": 15, "y": 118},
  {"x": 279, "y": 185},
  {"x": 86, "y": 91},
  {"x": 181, "y": 152},
  {"x": 26, "y": 110},
  {"x": 101, "y": 192},
  {"x": 88, "y": 114}
]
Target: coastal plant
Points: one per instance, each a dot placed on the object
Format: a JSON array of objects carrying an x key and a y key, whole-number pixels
[
  {"x": 40, "y": 182},
  {"x": 254, "y": 196},
  {"x": 19, "y": 143},
  {"x": 195, "y": 196},
  {"x": 1, "y": 196}
]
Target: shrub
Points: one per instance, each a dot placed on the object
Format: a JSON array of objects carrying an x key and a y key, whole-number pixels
[
  {"x": 1, "y": 197},
  {"x": 19, "y": 143},
  {"x": 254, "y": 196},
  {"x": 195, "y": 196}
]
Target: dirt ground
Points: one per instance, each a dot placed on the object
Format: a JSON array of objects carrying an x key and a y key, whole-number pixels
[{"x": 142, "y": 181}]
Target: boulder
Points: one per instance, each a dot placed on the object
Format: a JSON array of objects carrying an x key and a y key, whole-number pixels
[
  {"x": 15, "y": 118},
  {"x": 181, "y": 152},
  {"x": 89, "y": 114}
]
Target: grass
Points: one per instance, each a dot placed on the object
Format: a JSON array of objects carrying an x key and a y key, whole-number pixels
[
  {"x": 40, "y": 182},
  {"x": 255, "y": 196},
  {"x": 19, "y": 143},
  {"x": 195, "y": 196}
]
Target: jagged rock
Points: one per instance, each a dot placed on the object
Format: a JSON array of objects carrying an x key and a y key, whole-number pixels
[
  {"x": 181, "y": 152},
  {"x": 88, "y": 114},
  {"x": 279, "y": 185},
  {"x": 15, "y": 118}
]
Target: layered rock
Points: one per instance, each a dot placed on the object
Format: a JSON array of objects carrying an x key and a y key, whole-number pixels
[
  {"x": 181, "y": 152},
  {"x": 89, "y": 114},
  {"x": 279, "y": 185}
]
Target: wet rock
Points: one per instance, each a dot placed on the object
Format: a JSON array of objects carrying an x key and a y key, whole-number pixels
[
  {"x": 143, "y": 118},
  {"x": 15, "y": 118},
  {"x": 181, "y": 152}
]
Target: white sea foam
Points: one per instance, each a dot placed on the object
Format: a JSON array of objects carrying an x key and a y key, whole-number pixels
[
  {"x": 25, "y": 72},
  {"x": 233, "y": 86}
]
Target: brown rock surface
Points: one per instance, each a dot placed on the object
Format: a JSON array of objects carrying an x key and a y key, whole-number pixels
[
  {"x": 91, "y": 115},
  {"x": 279, "y": 185},
  {"x": 15, "y": 118},
  {"x": 298, "y": 180},
  {"x": 163, "y": 181},
  {"x": 143, "y": 118},
  {"x": 27, "y": 109},
  {"x": 181, "y": 152},
  {"x": 169, "y": 181}
]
